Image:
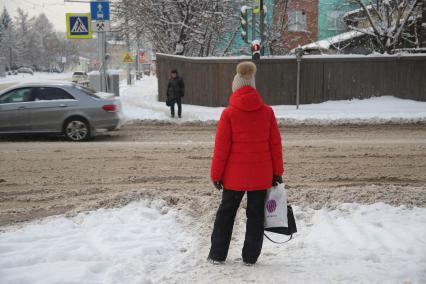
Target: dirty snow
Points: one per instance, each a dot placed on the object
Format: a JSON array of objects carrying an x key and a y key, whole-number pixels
[
  {"x": 145, "y": 242},
  {"x": 140, "y": 102}
]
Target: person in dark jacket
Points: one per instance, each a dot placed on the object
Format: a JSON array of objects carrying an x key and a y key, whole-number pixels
[
  {"x": 175, "y": 92},
  {"x": 247, "y": 158}
]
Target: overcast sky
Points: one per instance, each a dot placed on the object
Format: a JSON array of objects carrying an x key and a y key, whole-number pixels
[{"x": 54, "y": 9}]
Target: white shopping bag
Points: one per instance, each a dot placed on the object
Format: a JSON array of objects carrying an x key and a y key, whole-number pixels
[{"x": 276, "y": 207}]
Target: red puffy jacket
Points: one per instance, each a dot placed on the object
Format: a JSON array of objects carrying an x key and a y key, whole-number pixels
[{"x": 247, "y": 151}]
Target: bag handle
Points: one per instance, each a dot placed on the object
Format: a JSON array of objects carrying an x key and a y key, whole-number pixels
[{"x": 291, "y": 236}]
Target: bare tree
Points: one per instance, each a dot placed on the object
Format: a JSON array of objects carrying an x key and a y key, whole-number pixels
[
  {"x": 184, "y": 27},
  {"x": 274, "y": 33},
  {"x": 7, "y": 39},
  {"x": 32, "y": 42},
  {"x": 389, "y": 21},
  {"x": 423, "y": 27}
]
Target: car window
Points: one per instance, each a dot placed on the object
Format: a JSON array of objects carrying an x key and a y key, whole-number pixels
[
  {"x": 87, "y": 91},
  {"x": 16, "y": 96},
  {"x": 78, "y": 73},
  {"x": 50, "y": 94}
]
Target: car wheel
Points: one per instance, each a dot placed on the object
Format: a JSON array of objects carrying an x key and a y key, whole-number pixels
[{"x": 77, "y": 129}]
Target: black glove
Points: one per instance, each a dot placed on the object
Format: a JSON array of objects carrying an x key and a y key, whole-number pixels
[
  {"x": 276, "y": 180},
  {"x": 218, "y": 184}
]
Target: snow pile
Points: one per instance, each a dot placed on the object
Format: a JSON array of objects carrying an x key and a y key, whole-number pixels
[
  {"x": 366, "y": 243},
  {"x": 352, "y": 244},
  {"x": 106, "y": 246},
  {"x": 140, "y": 102},
  {"x": 136, "y": 244},
  {"x": 373, "y": 110},
  {"x": 37, "y": 77}
]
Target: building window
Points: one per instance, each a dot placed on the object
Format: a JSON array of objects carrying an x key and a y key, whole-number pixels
[
  {"x": 335, "y": 21},
  {"x": 297, "y": 21}
]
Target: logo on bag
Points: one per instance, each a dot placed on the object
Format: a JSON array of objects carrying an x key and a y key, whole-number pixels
[{"x": 271, "y": 205}]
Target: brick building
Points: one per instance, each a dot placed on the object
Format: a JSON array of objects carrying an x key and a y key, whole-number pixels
[{"x": 302, "y": 17}]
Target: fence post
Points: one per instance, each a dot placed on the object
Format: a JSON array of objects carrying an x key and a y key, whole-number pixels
[{"x": 299, "y": 54}]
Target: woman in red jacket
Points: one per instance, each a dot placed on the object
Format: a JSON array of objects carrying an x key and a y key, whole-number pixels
[{"x": 247, "y": 157}]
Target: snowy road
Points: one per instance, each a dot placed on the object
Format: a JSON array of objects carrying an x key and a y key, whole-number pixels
[{"x": 43, "y": 176}]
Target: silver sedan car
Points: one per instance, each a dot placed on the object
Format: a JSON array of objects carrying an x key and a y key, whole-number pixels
[{"x": 70, "y": 109}]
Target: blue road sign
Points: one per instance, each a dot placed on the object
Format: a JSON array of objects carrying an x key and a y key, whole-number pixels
[{"x": 99, "y": 11}]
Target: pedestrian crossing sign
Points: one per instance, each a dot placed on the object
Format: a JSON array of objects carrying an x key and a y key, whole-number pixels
[
  {"x": 78, "y": 26},
  {"x": 127, "y": 58}
]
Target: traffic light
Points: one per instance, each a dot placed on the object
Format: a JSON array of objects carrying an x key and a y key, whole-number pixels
[
  {"x": 244, "y": 23},
  {"x": 255, "y": 49}
]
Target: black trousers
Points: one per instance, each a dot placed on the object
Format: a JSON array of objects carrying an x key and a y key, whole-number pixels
[
  {"x": 224, "y": 223},
  {"x": 179, "y": 104}
]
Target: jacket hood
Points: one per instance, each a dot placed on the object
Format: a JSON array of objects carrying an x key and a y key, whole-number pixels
[{"x": 246, "y": 99}]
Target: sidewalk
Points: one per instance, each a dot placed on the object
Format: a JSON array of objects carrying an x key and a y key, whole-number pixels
[{"x": 140, "y": 102}]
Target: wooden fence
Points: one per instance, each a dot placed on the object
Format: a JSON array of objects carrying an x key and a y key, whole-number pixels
[{"x": 208, "y": 80}]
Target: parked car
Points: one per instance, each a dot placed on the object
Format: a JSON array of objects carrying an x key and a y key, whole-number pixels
[
  {"x": 26, "y": 70},
  {"x": 79, "y": 76},
  {"x": 75, "y": 111}
]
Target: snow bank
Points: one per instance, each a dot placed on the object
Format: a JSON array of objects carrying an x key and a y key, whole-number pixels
[
  {"x": 143, "y": 243},
  {"x": 352, "y": 244},
  {"x": 140, "y": 102},
  {"x": 37, "y": 77},
  {"x": 106, "y": 246},
  {"x": 364, "y": 244}
]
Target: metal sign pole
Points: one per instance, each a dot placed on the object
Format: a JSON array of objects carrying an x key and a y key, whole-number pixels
[
  {"x": 100, "y": 13},
  {"x": 129, "y": 67},
  {"x": 262, "y": 26},
  {"x": 137, "y": 65},
  {"x": 102, "y": 54},
  {"x": 298, "y": 84}
]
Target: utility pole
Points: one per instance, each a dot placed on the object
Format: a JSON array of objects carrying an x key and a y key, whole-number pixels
[{"x": 129, "y": 66}]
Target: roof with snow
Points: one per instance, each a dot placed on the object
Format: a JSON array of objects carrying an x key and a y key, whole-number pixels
[
  {"x": 356, "y": 11},
  {"x": 334, "y": 40}
]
